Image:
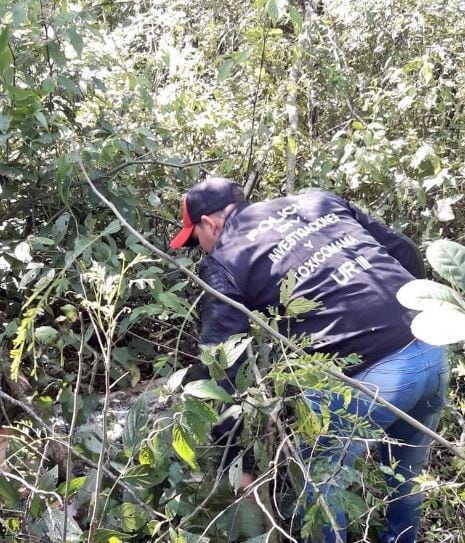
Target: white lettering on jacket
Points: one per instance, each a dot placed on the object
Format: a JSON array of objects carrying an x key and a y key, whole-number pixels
[{"x": 319, "y": 257}]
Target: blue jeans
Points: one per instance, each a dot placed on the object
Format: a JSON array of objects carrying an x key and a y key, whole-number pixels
[{"x": 415, "y": 380}]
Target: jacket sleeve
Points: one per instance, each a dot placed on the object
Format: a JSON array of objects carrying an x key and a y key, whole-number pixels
[
  {"x": 219, "y": 319},
  {"x": 398, "y": 245}
]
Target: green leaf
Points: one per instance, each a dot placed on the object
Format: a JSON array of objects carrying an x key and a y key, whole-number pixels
[
  {"x": 175, "y": 380},
  {"x": 183, "y": 446},
  {"x": 4, "y": 39},
  {"x": 300, "y": 306},
  {"x": 187, "y": 537},
  {"x": 148, "y": 310},
  {"x": 296, "y": 19},
  {"x": 55, "y": 520},
  {"x": 423, "y": 294},
  {"x": 68, "y": 84},
  {"x": 136, "y": 421},
  {"x": 154, "y": 199},
  {"x": 225, "y": 69},
  {"x": 19, "y": 12},
  {"x": 286, "y": 288},
  {"x": 41, "y": 118},
  {"x": 198, "y": 429},
  {"x": 112, "y": 228},
  {"x": 448, "y": 259},
  {"x": 6, "y": 59},
  {"x": 145, "y": 476},
  {"x": 9, "y": 493},
  {"x": 272, "y": 9},
  {"x": 42, "y": 241},
  {"x": 198, "y": 416},
  {"x": 60, "y": 227},
  {"x": 133, "y": 517},
  {"x": 74, "y": 485},
  {"x": 75, "y": 40},
  {"x": 426, "y": 72},
  {"x": 244, "y": 376},
  {"x": 234, "y": 348},
  {"x": 440, "y": 326},
  {"x": 357, "y": 125},
  {"x": 48, "y": 85},
  {"x": 170, "y": 301},
  {"x": 207, "y": 390},
  {"x": 5, "y": 121},
  {"x": 201, "y": 410},
  {"x": 46, "y": 334}
]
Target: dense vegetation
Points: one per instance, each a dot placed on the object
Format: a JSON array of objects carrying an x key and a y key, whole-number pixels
[{"x": 100, "y": 438}]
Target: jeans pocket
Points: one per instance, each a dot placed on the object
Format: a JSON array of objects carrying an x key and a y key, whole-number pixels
[{"x": 439, "y": 397}]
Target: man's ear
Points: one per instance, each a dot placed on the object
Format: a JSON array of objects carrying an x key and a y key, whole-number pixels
[{"x": 207, "y": 221}]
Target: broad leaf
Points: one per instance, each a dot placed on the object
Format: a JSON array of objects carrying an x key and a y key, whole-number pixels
[
  {"x": 112, "y": 228},
  {"x": 145, "y": 311},
  {"x": 207, "y": 390},
  {"x": 23, "y": 252},
  {"x": 448, "y": 259},
  {"x": 234, "y": 347},
  {"x": 9, "y": 494},
  {"x": 440, "y": 326},
  {"x": 133, "y": 517},
  {"x": 175, "y": 380},
  {"x": 136, "y": 421},
  {"x": 74, "y": 485},
  {"x": 60, "y": 227},
  {"x": 46, "y": 334},
  {"x": 423, "y": 294},
  {"x": 144, "y": 476},
  {"x": 183, "y": 445},
  {"x": 198, "y": 416},
  {"x": 201, "y": 410}
]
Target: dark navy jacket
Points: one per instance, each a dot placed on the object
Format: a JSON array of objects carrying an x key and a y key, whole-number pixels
[{"x": 346, "y": 260}]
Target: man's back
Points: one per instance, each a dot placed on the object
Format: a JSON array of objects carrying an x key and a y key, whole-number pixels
[{"x": 339, "y": 257}]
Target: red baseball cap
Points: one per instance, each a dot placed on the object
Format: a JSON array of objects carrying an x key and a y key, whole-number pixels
[{"x": 206, "y": 197}]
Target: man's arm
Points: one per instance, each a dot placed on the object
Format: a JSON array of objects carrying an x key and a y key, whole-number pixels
[
  {"x": 219, "y": 322},
  {"x": 398, "y": 245},
  {"x": 219, "y": 319}
]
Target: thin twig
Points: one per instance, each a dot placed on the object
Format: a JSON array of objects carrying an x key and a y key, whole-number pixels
[
  {"x": 73, "y": 426},
  {"x": 106, "y": 403},
  {"x": 181, "y": 330},
  {"x": 181, "y": 166},
  {"x": 255, "y": 100}
]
